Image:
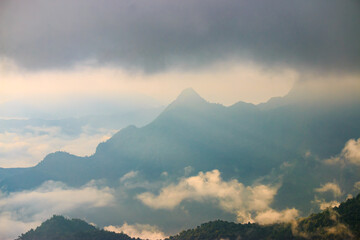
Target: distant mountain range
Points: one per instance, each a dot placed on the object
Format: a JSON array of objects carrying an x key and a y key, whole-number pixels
[
  {"x": 243, "y": 141},
  {"x": 341, "y": 222},
  {"x": 283, "y": 143}
]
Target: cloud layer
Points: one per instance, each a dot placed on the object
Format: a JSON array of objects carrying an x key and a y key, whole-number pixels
[
  {"x": 330, "y": 187},
  {"x": 158, "y": 34},
  {"x": 20, "y": 211},
  {"x": 28, "y": 146},
  {"x": 231, "y": 196},
  {"x": 328, "y": 195},
  {"x": 143, "y": 231},
  {"x": 349, "y": 155}
]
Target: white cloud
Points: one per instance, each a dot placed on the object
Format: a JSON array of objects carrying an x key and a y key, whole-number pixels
[
  {"x": 272, "y": 216},
  {"x": 349, "y": 155},
  {"x": 231, "y": 196},
  {"x": 357, "y": 185},
  {"x": 324, "y": 205},
  {"x": 188, "y": 170},
  {"x": 330, "y": 187},
  {"x": 143, "y": 231},
  {"x": 29, "y": 146},
  {"x": 129, "y": 175},
  {"x": 351, "y": 151},
  {"x": 349, "y": 196},
  {"x": 20, "y": 211},
  {"x": 10, "y": 227}
]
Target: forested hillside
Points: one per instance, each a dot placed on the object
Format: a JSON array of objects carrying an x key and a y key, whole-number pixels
[
  {"x": 60, "y": 228},
  {"x": 338, "y": 223},
  {"x": 342, "y": 222}
]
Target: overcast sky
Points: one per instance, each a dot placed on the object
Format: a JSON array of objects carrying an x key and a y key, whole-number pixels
[
  {"x": 147, "y": 52},
  {"x": 256, "y": 49}
]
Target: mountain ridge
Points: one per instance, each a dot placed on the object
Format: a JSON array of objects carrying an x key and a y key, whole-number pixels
[
  {"x": 340, "y": 223},
  {"x": 286, "y": 145},
  {"x": 61, "y": 228},
  {"x": 336, "y": 223}
]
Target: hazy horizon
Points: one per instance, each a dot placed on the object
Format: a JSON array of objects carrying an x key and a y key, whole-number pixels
[{"x": 268, "y": 133}]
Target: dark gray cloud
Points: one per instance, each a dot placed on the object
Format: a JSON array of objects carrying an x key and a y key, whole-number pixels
[{"x": 157, "y": 34}]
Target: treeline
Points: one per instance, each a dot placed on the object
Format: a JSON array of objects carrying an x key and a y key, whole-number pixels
[
  {"x": 229, "y": 230},
  {"x": 61, "y": 228},
  {"x": 339, "y": 223}
]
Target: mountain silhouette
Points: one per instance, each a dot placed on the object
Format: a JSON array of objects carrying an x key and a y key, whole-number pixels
[
  {"x": 243, "y": 141},
  {"x": 59, "y": 228}
]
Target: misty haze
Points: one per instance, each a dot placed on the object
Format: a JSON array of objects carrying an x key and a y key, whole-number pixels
[{"x": 182, "y": 119}]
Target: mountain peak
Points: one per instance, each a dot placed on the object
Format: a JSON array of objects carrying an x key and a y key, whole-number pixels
[
  {"x": 189, "y": 92},
  {"x": 189, "y": 96}
]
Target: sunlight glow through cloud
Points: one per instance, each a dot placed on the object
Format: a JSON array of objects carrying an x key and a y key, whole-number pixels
[
  {"x": 249, "y": 203},
  {"x": 142, "y": 231},
  {"x": 239, "y": 82}
]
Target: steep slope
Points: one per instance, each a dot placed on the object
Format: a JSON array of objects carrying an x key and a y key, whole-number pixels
[{"x": 190, "y": 132}]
